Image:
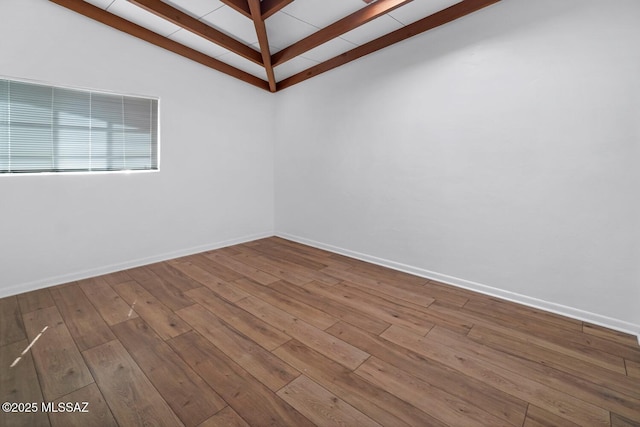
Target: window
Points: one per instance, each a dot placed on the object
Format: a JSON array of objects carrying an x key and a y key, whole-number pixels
[{"x": 55, "y": 129}]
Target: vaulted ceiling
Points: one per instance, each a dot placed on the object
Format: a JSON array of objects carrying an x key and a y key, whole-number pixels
[{"x": 274, "y": 44}]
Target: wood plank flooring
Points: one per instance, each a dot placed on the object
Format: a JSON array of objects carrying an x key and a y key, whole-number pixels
[{"x": 274, "y": 333}]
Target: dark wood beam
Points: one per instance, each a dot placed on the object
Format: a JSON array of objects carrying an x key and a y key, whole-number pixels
[
  {"x": 261, "y": 31},
  {"x": 241, "y": 6},
  {"x": 267, "y": 7},
  {"x": 181, "y": 19},
  {"x": 135, "y": 30},
  {"x": 437, "y": 19},
  {"x": 336, "y": 29}
]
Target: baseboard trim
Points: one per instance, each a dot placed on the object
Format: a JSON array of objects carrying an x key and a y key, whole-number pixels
[
  {"x": 575, "y": 313},
  {"x": 597, "y": 319},
  {"x": 93, "y": 272}
]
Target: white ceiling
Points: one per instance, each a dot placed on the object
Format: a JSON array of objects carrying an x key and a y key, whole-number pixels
[{"x": 292, "y": 23}]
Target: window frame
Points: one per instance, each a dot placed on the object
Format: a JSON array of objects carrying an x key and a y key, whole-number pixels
[{"x": 92, "y": 91}]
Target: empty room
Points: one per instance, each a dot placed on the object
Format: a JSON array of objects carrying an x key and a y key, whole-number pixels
[{"x": 319, "y": 213}]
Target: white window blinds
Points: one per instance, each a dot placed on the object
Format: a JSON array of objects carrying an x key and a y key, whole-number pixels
[{"x": 52, "y": 129}]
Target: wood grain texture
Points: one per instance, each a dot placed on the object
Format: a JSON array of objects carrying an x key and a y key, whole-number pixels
[
  {"x": 515, "y": 346},
  {"x": 334, "y": 348},
  {"x": 130, "y": 395},
  {"x": 618, "y": 421},
  {"x": 490, "y": 399},
  {"x": 446, "y": 407},
  {"x": 217, "y": 285},
  {"x": 117, "y": 277},
  {"x": 11, "y": 326},
  {"x": 332, "y": 307},
  {"x": 266, "y": 367},
  {"x": 633, "y": 369},
  {"x": 243, "y": 269},
  {"x": 107, "y": 302},
  {"x": 303, "y": 268},
  {"x": 589, "y": 344},
  {"x": 601, "y": 397},
  {"x": 449, "y": 317},
  {"x": 569, "y": 343},
  {"x": 256, "y": 260},
  {"x": 411, "y": 293},
  {"x": 20, "y": 384},
  {"x": 375, "y": 306},
  {"x": 207, "y": 262},
  {"x": 607, "y": 396},
  {"x": 169, "y": 290},
  {"x": 446, "y": 294},
  {"x": 259, "y": 331},
  {"x": 252, "y": 400},
  {"x": 97, "y": 412},
  {"x": 512, "y": 312},
  {"x": 510, "y": 382},
  {"x": 61, "y": 368},
  {"x": 172, "y": 276},
  {"x": 329, "y": 349},
  {"x": 86, "y": 326},
  {"x": 308, "y": 252},
  {"x": 375, "y": 402},
  {"x": 187, "y": 394},
  {"x": 384, "y": 273},
  {"x": 227, "y": 417},
  {"x": 610, "y": 334},
  {"x": 35, "y": 300},
  {"x": 412, "y": 305},
  {"x": 293, "y": 257},
  {"x": 321, "y": 406},
  {"x": 537, "y": 417},
  {"x": 162, "y": 319},
  {"x": 306, "y": 312}
]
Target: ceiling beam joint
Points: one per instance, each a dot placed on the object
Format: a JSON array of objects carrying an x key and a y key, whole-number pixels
[
  {"x": 181, "y": 19},
  {"x": 121, "y": 24},
  {"x": 337, "y": 29},
  {"x": 437, "y": 19},
  {"x": 263, "y": 40},
  {"x": 267, "y": 7}
]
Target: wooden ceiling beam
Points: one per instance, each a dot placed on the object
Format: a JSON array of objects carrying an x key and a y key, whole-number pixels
[
  {"x": 336, "y": 29},
  {"x": 267, "y": 7},
  {"x": 142, "y": 33},
  {"x": 447, "y": 15},
  {"x": 181, "y": 19},
  {"x": 241, "y": 6},
  {"x": 261, "y": 31}
]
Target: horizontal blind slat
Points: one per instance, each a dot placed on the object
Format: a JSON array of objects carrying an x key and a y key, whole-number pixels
[
  {"x": 44, "y": 128},
  {"x": 4, "y": 125}
]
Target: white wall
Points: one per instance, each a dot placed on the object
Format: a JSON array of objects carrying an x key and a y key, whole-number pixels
[
  {"x": 216, "y": 179},
  {"x": 500, "y": 153}
]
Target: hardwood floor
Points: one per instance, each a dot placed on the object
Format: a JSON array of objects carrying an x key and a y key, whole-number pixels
[{"x": 274, "y": 333}]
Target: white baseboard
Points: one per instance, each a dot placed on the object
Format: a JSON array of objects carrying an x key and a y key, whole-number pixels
[
  {"x": 93, "y": 272},
  {"x": 575, "y": 313},
  {"x": 597, "y": 319}
]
